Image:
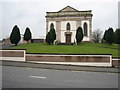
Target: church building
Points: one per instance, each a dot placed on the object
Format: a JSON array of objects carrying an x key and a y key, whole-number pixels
[{"x": 66, "y": 22}]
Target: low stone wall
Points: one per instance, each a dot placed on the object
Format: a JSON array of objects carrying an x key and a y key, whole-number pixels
[
  {"x": 20, "y": 55},
  {"x": 13, "y": 55},
  {"x": 68, "y": 58},
  {"x": 116, "y": 62}
]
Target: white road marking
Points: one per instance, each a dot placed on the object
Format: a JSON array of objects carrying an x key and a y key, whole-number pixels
[{"x": 38, "y": 77}]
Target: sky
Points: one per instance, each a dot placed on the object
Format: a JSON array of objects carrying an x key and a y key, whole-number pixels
[
  {"x": 119, "y": 14},
  {"x": 31, "y": 13}
]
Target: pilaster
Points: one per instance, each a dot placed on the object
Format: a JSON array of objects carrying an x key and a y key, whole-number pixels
[{"x": 58, "y": 31}]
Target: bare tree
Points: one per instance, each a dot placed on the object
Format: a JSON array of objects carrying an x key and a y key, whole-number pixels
[{"x": 96, "y": 36}]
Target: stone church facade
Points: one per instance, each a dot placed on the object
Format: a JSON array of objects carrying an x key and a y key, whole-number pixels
[{"x": 66, "y": 22}]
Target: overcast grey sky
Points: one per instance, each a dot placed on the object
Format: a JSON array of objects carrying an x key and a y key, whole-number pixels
[{"x": 31, "y": 13}]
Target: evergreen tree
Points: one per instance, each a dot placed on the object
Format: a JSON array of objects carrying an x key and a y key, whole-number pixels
[
  {"x": 110, "y": 36},
  {"x": 52, "y": 31},
  {"x": 79, "y": 29},
  {"x": 117, "y": 36},
  {"x": 79, "y": 35},
  {"x": 15, "y": 35},
  {"x": 27, "y": 34},
  {"x": 104, "y": 37},
  {"x": 49, "y": 38}
]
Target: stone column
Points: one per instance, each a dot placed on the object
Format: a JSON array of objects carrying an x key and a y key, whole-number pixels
[
  {"x": 46, "y": 26},
  {"x": 58, "y": 31},
  {"x": 90, "y": 31}
]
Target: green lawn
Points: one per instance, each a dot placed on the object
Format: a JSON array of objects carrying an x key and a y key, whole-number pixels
[{"x": 82, "y": 48}]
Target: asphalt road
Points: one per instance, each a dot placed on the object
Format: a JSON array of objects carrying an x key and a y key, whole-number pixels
[{"x": 23, "y": 77}]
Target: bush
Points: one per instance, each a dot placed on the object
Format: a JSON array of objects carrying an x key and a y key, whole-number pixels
[
  {"x": 51, "y": 36},
  {"x": 117, "y": 36},
  {"x": 104, "y": 37},
  {"x": 109, "y": 37},
  {"x": 52, "y": 31},
  {"x": 79, "y": 35},
  {"x": 27, "y": 34},
  {"x": 15, "y": 35}
]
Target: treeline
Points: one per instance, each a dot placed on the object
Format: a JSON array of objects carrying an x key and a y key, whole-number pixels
[
  {"x": 15, "y": 35},
  {"x": 110, "y": 36}
]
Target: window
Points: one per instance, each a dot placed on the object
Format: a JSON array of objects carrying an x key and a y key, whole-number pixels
[
  {"x": 85, "y": 29},
  {"x": 51, "y": 26},
  {"x": 68, "y": 26}
]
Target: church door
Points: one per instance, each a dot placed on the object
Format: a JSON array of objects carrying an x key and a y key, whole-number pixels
[{"x": 68, "y": 38}]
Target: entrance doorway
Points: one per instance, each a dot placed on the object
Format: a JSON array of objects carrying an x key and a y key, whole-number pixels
[{"x": 68, "y": 38}]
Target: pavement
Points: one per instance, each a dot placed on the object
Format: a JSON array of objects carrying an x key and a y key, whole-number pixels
[
  {"x": 24, "y": 77},
  {"x": 60, "y": 66}
]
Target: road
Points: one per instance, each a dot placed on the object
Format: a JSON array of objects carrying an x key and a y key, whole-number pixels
[{"x": 24, "y": 77}]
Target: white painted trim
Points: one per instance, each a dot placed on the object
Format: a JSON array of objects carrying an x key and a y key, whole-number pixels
[
  {"x": 24, "y": 55},
  {"x": 115, "y": 59},
  {"x": 68, "y": 55},
  {"x": 38, "y": 77},
  {"x": 110, "y": 60},
  {"x": 76, "y": 63},
  {"x": 12, "y": 50},
  {"x": 13, "y": 58}
]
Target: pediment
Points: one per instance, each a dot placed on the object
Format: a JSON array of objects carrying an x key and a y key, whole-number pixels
[{"x": 68, "y": 9}]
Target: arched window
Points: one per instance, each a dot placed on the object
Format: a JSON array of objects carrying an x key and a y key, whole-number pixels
[
  {"x": 68, "y": 26},
  {"x": 85, "y": 29},
  {"x": 51, "y": 26}
]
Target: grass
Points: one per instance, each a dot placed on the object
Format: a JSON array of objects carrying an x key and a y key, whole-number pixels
[{"x": 82, "y": 48}]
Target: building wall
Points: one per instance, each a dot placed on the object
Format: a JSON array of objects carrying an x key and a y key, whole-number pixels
[
  {"x": 49, "y": 23},
  {"x": 75, "y": 18},
  {"x": 60, "y": 28},
  {"x": 72, "y": 29},
  {"x": 86, "y": 38},
  {"x": 72, "y": 25}
]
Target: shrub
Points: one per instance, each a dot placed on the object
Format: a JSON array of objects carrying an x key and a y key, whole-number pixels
[
  {"x": 15, "y": 35},
  {"x": 27, "y": 34},
  {"x": 117, "y": 36},
  {"x": 109, "y": 37},
  {"x": 79, "y": 35}
]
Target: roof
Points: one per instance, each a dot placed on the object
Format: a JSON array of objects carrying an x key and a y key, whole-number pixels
[{"x": 68, "y": 9}]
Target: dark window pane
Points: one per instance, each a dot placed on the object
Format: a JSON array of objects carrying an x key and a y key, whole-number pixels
[
  {"x": 85, "y": 29},
  {"x": 68, "y": 26}
]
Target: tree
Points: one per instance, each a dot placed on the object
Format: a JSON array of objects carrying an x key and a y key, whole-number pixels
[
  {"x": 104, "y": 37},
  {"x": 15, "y": 35},
  {"x": 52, "y": 31},
  {"x": 117, "y": 36},
  {"x": 96, "y": 36},
  {"x": 79, "y": 35},
  {"x": 110, "y": 36},
  {"x": 49, "y": 38},
  {"x": 27, "y": 35}
]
